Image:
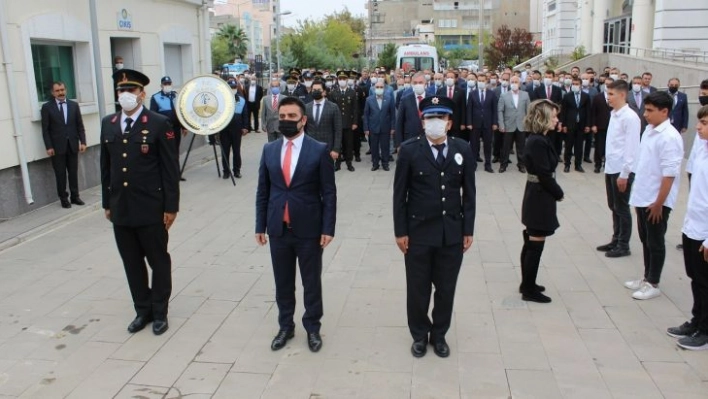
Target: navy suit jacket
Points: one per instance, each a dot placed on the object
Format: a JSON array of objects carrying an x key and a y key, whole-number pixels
[
  {"x": 59, "y": 135},
  {"x": 482, "y": 116},
  {"x": 408, "y": 123},
  {"x": 679, "y": 113},
  {"x": 311, "y": 196},
  {"x": 379, "y": 121},
  {"x": 432, "y": 89}
]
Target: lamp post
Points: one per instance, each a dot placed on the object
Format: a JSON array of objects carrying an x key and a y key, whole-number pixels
[{"x": 277, "y": 16}]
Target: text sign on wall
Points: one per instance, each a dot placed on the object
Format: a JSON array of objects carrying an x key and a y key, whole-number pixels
[{"x": 125, "y": 20}]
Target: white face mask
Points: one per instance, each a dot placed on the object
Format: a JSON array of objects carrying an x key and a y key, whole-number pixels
[
  {"x": 557, "y": 84},
  {"x": 119, "y": 66},
  {"x": 614, "y": 77},
  {"x": 406, "y": 85},
  {"x": 636, "y": 88},
  {"x": 128, "y": 101},
  {"x": 342, "y": 83},
  {"x": 291, "y": 86},
  {"x": 350, "y": 82},
  {"x": 438, "y": 82},
  {"x": 547, "y": 81},
  {"x": 536, "y": 82},
  {"x": 575, "y": 88},
  {"x": 585, "y": 82},
  {"x": 504, "y": 83},
  {"x": 167, "y": 89},
  {"x": 418, "y": 89},
  {"x": 492, "y": 82},
  {"x": 308, "y": 83},
  {"x": 329, "y": 84},
  {"x": 379, "y": 91},
  {"x": 435, "y": 128},
  {"x": 449, "y": 82},
  {"x": 374, "y": 80},
  {"x": 481, "y": 85},
  {"x": 568, "y": 82},
  {"x": 471, "y": 84},
  {"x": 514, "y": 87},
  {"x": 427, "y": 77}
]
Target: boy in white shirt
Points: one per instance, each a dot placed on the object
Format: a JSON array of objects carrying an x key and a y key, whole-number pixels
[{"x": 656, "y": 184}]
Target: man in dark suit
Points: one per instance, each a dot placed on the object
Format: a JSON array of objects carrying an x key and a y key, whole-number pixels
[
  {"x": 452, "y": 91},
  {"x": 646, "y": 83},
  {"x": 482, "y": 120},
  {"x": 254, "y": 96},
  {"x": 379, "y": 125},
  {"x": 64, "y": 138},
  {"x": 555, "y": 94},
  {"x": 324, "y": 122},
  {"x": 434, "y": 198},
  {"x": 575, "y": 114},
  {"x": 599, "y": 120},
  {"x": 296, "y": 205},
  {"x": 140, "y": 181},
  {"x": 408, "y": 123},
  {"x": 679, "y": 113},
  {"x": 348, "y": 105},
  {"x": 635, "y": 99}
]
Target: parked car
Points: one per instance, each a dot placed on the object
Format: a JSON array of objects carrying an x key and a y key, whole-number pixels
[{"x": 469, "y": 65}]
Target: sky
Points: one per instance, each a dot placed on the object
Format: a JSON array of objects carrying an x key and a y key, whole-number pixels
[{"x": 302, "y": 9}]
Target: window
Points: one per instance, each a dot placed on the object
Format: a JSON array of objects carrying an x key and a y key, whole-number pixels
[
  {"x": 551, "y": 6},
  {"x": 447, "y": 23},
  {"x": 53, "y": 62},
  {"x": 173, "y": 63}
]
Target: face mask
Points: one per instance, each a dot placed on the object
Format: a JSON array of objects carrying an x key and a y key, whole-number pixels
[
  {"x": 329, "y": 84},
  {"x": 418, "y": 89},
  {"x": 317, "y": 94},
  {"x": 547, "y": 81},
  {"x": 253, "y": 82},
  {"x": 481, "y": 85},
  {"x": 673, "y": 89},
  {"x": 288, "y": 128},
  {"x": 167, "y": 89},
  {"x": 342, "y": 83},
  {"x": 568, "y": 82},
  {"x": 585, "y": 82},
  {"x": 119, "y": 66},
  {"x": 614, "y": 77},
  {"x": 636, "y": 88},
  {"x": 536, "y": 82},
  {"x": 505, "y": 83},
  {"x": 492, "y": 82},
  {"x": 308, "y": 83},
  {"x": 575, "y": 88},
  {"x": 350, "y": 82},
  {"x": 379, "y": 92},
  {"x": 557, "y": 84},
  {"x": 514, "y": 87},
  {"x": 471, "y": 84},
  {"x": 603, "y": 88},
  {"x": 275, "y": 91},
  {"x": 291, "y": 86},
  {"x": 374, "y": 80},
  {"x": 406, "y": 86},
  {"x": 449, "y": 82},
  {"x": 128, "y": 101},
  {"x": 427, "y": 77},
  {"x": 703, "y": 100},
  {"x": 438, "y": 82},
  {"x": 435, "y": 128}
]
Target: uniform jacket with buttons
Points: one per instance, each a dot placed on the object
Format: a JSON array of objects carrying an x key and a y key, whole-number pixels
[
  {"x": 348, "y": 104},
  {"x": 139, "y": 170},
  {"x": 432, "y": 204},
  {"x": 538, "y": 210}
]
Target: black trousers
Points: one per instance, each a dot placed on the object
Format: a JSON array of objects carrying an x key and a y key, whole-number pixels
[
  {"x": 652, "y": 237},
  {"x": 358, "y": 135},
  {"x": 497, "y": 143},
  {"x": 510, "y": 138},
  {"x": 348, "y": 145},
  {"x": 380, "y": 148},
  {"x": 253, "y": 110},
  {"x": 66, "y": 164},
  {"x": 135, "y": 244},
  {"x": 600, "y": 147},
  {"x": 697, "y": 271},
  {"x": 426, "y": 267},
  {"x": 485, "y": 134},
  {"x": 588, "y": 144},
  {"x": 231, "y": 140},
  {"x": 285, "y": 251},
  {"x": 574, "y": 147},
  {"x": 556, "y": 139},
  {"x": 619, "y": 205}
]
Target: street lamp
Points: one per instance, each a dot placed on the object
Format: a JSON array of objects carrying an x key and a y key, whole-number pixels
[{"x": 277, "y": 35}]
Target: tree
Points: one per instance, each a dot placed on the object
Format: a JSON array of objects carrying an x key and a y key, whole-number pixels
[
  {"x": 236, "y": 39},
  {"x": 510, "y": 48},
  {"x": 220, "y": 53},
  {"x": 357, "y": 24},
  {"x": 326, "y": 44},
  {"x": 387, "y": 58}
]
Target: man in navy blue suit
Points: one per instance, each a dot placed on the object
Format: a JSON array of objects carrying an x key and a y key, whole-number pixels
[
  {"x": 408, "y": 123},
  {"x": 482, "y": 119},
  {"x": 379, "y": 122},
  {"x": 679, "y": 113},
  {"x": 296, "y": 204}
]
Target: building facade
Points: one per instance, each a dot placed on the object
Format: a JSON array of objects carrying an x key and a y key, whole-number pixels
[
  {"x": 75, "y": 41},
  {"x": 255, "y": 17}
]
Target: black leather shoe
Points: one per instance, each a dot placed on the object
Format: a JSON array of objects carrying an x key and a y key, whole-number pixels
[
  {"x": 281, "y": 339},
  {"x": 160, "y": 326},
  {"x": 182, "y": 179},
  {"x": 237, "y": 175},
  {"x": 579, "y": 169},
  {"x": 566, "y": 169},
  {"x": 357, "y": 159},
  {"x": 488, "y": 169},
  {"x": 596, "y": 170},
  {"x": 522, "y": 169},
  {"x": 419, "y": 348},
  {"x": 495, "y": 159},
  {"x": 226, "y": 175},
  {"x": 390, "y": 158},
  {"x": 368, "y": 152},
  {"x": 535, "y": 296},
  {"x": 502, "y": 169},
  {"x": 350, "y": 168},
  {"x": 374, "y": 168},
  {"x": 606, "y": 247},
  {"x": 386, "y": 168},
  {"x": 314, "y": 341},
  {"x": 337, "y": 167},
  {"x": 539, "y": 288},
  {"x": 440, "y": 347},
  {"x": 588, "y": 160},
  {"x": 77, "y": 201},
  {"x": 679, "y": 247},
  {"x": 65, "y": 203},
  {"x": 617, "y": 253},
  {"x": 139, "y": 323},
  {"x": 479, "y": 159}
]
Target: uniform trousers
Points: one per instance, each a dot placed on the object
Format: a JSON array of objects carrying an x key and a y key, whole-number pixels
[
  {"x": 652, "y": 237},
  {"x": 231, "y": 140},
  {"x": 428, "y": 266},
  {"x": 697, "y": 271},
  {"x": 589, "y": 137},
  {"x": 285, "y": 252},
  {"x": 135, "y": 244},
  {"x": 497, "y": 144},
  {"x": 348, "y": 145},
  {"x": 66, "y": 164}
]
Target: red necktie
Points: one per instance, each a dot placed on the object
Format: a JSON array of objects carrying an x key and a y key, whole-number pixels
[
  {"x": 275, "y": 102},
  {"x": 420, "y": 114},
  {"x": 549, "y": 93},
  {"x": 449, "y": 92},
  {"x": 286, "y": 175}
]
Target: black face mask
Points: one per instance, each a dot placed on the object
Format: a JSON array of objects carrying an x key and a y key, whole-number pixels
[
  {"x": 673, "y": 89},
  {"x": 703, "y": 100},
  {"x": 317, "y": 94},
  {"x": 288, "y": 128}
]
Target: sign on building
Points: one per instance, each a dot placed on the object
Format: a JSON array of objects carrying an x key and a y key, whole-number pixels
[{"x": 125, "y": 20}]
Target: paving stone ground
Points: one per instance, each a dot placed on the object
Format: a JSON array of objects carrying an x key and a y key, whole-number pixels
[{"x": 65, "y": 306}]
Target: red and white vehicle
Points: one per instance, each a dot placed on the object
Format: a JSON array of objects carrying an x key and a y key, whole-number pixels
[{"x": 417, "y": 56}]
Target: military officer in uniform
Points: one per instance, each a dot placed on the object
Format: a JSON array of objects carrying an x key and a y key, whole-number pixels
[
  {"x": 362, "y": 93},
  {"x": 433, "y": 213},
  {"x": 348, "y": 103},
  {"x": 140, "y": 181}
]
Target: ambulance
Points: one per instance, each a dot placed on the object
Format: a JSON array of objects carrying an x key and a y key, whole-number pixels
[{"x": 417, "y": 56}]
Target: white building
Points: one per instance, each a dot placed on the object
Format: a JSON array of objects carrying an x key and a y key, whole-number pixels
[
  {"x": 75, "y": 41},
  {"x": 255, "y": 17}
]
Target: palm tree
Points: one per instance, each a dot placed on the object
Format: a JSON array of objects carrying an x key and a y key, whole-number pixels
[{"x": 236, "y": 39}]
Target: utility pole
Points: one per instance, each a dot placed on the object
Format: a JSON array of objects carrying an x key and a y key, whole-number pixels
[{"x": 480, "y": 49}]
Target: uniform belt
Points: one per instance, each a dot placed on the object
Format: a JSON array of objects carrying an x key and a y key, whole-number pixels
[{"x": 532, "y": 178}]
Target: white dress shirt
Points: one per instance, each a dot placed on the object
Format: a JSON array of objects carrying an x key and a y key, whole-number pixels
[
  {"x": 699, "y": 145},
  {"x": 660, "y": 155},
  {"x": 252, "y": 93},
  {"x": 435, "y": 151},
  {"x": 622, "y": 147},
  {"x": 695, "y": 225},
  {"x": 295, "y": 155},
  {"x": 515, "y": 97},
  {"x": 134, "y": 117},
  {"x": 65, "y": 109}
]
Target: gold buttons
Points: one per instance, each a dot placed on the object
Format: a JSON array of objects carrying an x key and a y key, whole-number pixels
[
  {"x": 443, "y": 199},
  {"x": 443, "y": 187},
  {"x": 125, "y": 155},
  {"x": 444, "y": 213},
  {"x": 125, "y": 184},
  {"x": 125, "y": 141},
  {"x": 125, "y": 169},
  {"x": 442, "y": 173}
]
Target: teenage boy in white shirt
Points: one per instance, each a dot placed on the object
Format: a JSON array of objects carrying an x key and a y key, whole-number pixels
[{"x": 656, "y": 184}]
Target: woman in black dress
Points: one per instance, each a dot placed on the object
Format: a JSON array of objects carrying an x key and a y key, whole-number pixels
[{"x": 538, "y": 212}]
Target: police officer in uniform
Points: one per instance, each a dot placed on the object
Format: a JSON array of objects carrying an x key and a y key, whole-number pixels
[
  {"x": 140, "y": 180},
  {"x": 348, "y": 103},
  {"x": 433, "y": 213},
  {"x": 163, "y": 102}
]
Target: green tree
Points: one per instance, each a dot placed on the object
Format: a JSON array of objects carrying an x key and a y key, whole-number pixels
[
  {"x": 509, "y": 47},
  {"x": 357, "y": 24},
  {"x": 220, "y": 53},
  {"x": 387, "y": 58},
  {"x": 326, "y": 44},
  {"x": 236, "y": 39}
]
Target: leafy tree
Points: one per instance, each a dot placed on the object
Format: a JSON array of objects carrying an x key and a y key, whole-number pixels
[
  {"x": 236, "y": 39},
  {"x": 387, "y": 58},
  {"x": 509, "y": 47},
  {"x": 357, "y": 24},
  {"x": 220, "y": 53},
  {"x": 326, "y": 44}
]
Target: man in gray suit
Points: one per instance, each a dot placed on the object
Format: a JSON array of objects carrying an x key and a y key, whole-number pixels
[
  {"x": 512, "y": 109},
  {"x": 635, "y": 99},
  {"x": 324, "y": 121},
  {"x": 269, "y": 110}
]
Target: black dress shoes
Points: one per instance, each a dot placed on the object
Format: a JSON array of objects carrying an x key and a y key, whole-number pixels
[
  {"x": 566, "y": 169},
  {"x": 77, "y": 201},
  {"x": 606, "y": 247},
  {"x": 237, "y": 175},
  {"x": 350, "y": 168},
  {"x": 226, "y": 175},
  {"x": 374, "y": 168},
  {"x": 479, "y": 159},
  {"x": 597, "y": 169},
  {"x": 419, "y": 348},
  {"x": 440, "y": 347},
  {"x": 314, "y": 341},
  {"x": 502, "y": 169},
  {"x": 65, "y": 203},
  {"x": 495, "y": 160},
  {"x": 160, "y": 326},
  {"x": 488, "y": 169},
  {"x": 182, "y": 179},
  {"x": 139, "y": 323},
  {"x": 368, "y": 152},
  {"x": 539, "y": 288},
  {"x": 617, "y": 253},
  {"x": 386, "y": 168},
  {"x": 522, "y": 169},
  {"x": 357, "y": 158},
  {"x": 580, "y": 169},
  {"x": 535, "y": 296},
  {"x": 588, "y": 160},
  {"x": 281, "y": 339},
  {"x": 337, "y": 166}
]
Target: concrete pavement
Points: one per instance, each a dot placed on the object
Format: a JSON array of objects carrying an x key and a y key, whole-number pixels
[{"x": 65, "y": 305}]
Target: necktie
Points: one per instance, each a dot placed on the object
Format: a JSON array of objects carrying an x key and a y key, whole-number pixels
[
  {"x": 275, "y": 102},
  {"x": 548, "y": 93},
  {"x": 317, "y": 114},
  {"x": 449, "y": 92},
  {"x": 61, "y": 109},
  {"x": 420, "y": 98},
  {"x": 483, "y": 96},
  {"x": 128, "y": 125},
  {"x": 638, "y": 99},
  {"x": 440, "y": 159},
  {"x": 577, "y": 104},
  {"x": 286, "y": 175}
]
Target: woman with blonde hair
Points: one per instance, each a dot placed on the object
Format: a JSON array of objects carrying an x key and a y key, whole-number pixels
[{"x": 538, "y": 211}]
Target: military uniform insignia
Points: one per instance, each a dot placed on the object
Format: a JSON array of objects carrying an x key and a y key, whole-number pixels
[
  {"x": 144, "y": 132},
  {"x": 170, "y": 135},
  {"x": 458, "y": 158},
  {"x": 144, "y": 148},
  {"x": 115, "y": 118},
  {"x": 436, "y": 100},
  {"x": 144, "y": 119}
]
